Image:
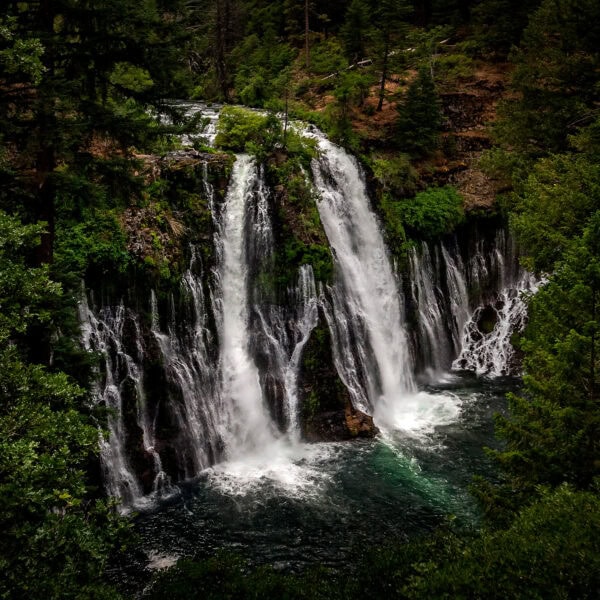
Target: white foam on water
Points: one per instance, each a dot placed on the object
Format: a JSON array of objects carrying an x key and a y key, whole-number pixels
[
  {"x": 296, "y": 470},
  {"x": 158, "y": 561},
  {"x": 418, "y": 414}
]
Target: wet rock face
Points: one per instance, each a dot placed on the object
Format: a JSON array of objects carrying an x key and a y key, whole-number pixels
[
  {"x": 339, "y": 426},
  {"x": 359, "y": 424},
  {"x": 487, "y": 319}
]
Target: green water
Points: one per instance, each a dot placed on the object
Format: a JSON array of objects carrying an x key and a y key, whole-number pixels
[{"x": 333, "y": 502}]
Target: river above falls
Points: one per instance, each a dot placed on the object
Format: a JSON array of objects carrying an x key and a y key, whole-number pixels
[{"x": 331, "y": 502}]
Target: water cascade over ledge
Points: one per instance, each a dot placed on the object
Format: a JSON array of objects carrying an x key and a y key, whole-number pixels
[{"x": 208, "y": 381}]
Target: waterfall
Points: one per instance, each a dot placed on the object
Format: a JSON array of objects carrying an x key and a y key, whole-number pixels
[
  {"x": 205, "y": 378},
  {"x": 366, "y": 315},
  {"x": 192, "y": 389},
  {"x": 467, "y": 311},
  {"x": 248, "y": 426},
  {"x": 487, "y": 350},
  {"x": 427, "y": 296},
  {"x": 282, "y": 336},
  {"x": 119, "y": 382}
]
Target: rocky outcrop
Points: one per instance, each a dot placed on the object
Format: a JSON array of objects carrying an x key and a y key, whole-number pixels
[
  {"x": 358, "y": 423},
  {"x": 173, "y": 210},
  {"x": 327, "y": 412},
  {"x": 469, "y": 110},
  {"x": 339, "y": 425}
]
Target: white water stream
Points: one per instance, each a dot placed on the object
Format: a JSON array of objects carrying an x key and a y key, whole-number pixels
[
  {"x": 249, "y": 426},
  {"x": 232, "y": 404},
  {"x": 366, "y": 318}
]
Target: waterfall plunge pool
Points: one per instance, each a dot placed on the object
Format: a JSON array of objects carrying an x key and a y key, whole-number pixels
[{"x": 327, "y": 503}]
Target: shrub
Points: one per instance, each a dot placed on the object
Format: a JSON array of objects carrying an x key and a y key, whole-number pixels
[
  {"x": 242, "y": 130},
  {"x": 433, "y": 212}
]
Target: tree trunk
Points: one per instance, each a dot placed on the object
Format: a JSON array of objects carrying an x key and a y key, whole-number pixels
[
  {"x": 593, "y": 349},
  {"x": 386, "y": 48},
  {"x": 306, "y": 34},
  {"x": 221, "y": 27}
]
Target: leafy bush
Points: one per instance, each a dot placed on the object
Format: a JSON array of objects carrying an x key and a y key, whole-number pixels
[
  {"x": 551, "y": 550},
  {"x": 327, "y": 57},
  {"x": 96, "y": 244},
  {"x": 242, "y": 130},
  {"x": 396, "y": 175},
  {"x": 449, "y": 67},
  {"x": 393, "y": 223},
  {"x": 301, "y": 239},
  {"x": 434, "y": 212},
  {"x": 54, "y": 539}
]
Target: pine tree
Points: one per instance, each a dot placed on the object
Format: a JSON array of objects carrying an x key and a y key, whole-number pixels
[
  {"x": 355, "y": 31},
  {"x": 390, "y": 21},
  {"x": 98, "y": 71},
  {"x": 420, "y": 118}
]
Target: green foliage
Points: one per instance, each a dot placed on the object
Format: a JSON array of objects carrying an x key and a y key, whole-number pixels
[
  {"x": 551, "y": 550},
  {"x": 25, "y": 293},
  {"x": 130, "y": 77},
  {"x": 450, "y": 67},
  {"x": 432, "y": 213},
  {"x": 393, "y": 221},
  {"x": 509, "y": 169},
  {"x": 262, "y": 60},
  {"x": 553, "y": 207},
  {"x": 356, "y": 30},
  {"x": 226, "y": 576},
  {"x": 22, "y": 57},
  {"x": 395, "y": 175},
  {"x": 558, "y": 93},
  {"x": 240, "y": 129},
  {"x": 327, "y": 57},
  {"x": 419, "y": 121},
  {"x": 300, "y": 239},
  {"x": 95, "y": 246},
  {"x": 350, "y": 90},
  {"x": 500, "y": 23},
  {"x": 554, "y": 426},
  {"x": 54, "y": 540}
]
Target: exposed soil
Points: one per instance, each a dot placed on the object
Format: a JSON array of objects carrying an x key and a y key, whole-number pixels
[{"x": 469, "y": 107}]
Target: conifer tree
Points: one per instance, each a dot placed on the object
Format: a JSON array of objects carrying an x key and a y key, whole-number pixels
[
  {"x": 420, "y": 118},
  {"x": 356, "y": 30},
  {"x": 97, "y": 74},
  {"x": 390, "y": 21}
]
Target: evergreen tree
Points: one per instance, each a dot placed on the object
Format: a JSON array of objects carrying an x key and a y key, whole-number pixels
[
  {"x": 356, "y": 30},
  {"x": 553, "y": 428},
  {"x": 559, "y": 94},
  {"x": 390, "y": 20},
  {"x": 96, "y": 77},
  {"x": 420, "y": 118}
]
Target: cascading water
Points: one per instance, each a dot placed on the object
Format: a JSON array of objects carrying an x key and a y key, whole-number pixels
[
  {"x": 120, "y": 381},
  {"x": 434, "y": 335},
  {"x": 192, "y": 392},
  {"x": 366, "y": 315},
  {"x": 282, "y": 341},
  {"x": 248, "y": 426},
  {"x": 486, "y": 343},
  {"x": 226, "y": 367},
  {"x": 467, "y": 310},
  {"x": 207, "y": 386}
]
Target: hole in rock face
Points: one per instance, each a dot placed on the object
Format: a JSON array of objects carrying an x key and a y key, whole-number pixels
[{"x": 487, "y": 319}]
